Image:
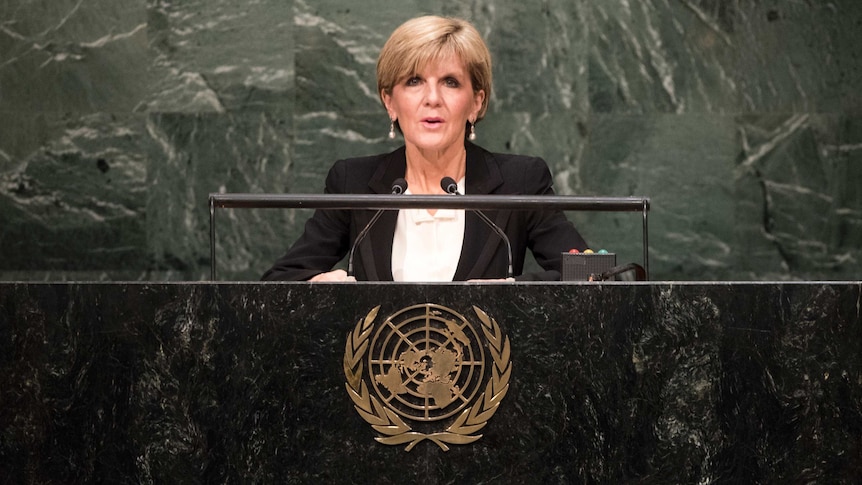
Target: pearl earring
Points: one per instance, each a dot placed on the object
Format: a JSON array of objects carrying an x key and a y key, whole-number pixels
[
  {"x": 391, "y": 129},
  {"x": 472, "y": 135}
]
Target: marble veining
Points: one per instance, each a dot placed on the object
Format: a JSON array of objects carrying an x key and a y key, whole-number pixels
[
  {"x": 740, "y": 120},
  {"x": 648, "y": 383}
]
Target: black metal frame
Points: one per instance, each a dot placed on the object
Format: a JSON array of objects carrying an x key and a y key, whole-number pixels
[{"x": 469, "y": 202}]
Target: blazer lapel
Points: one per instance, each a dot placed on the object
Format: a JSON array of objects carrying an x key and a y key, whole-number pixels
[
  {"x": 376, "y": 250},
  {"x": 480, "y": 241}
]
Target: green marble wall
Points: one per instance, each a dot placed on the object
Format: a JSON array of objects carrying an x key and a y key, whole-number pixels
[{"x": 741, "y": 120}]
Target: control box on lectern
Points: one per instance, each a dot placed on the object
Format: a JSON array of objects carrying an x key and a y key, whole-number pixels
[{"x": 581, "y": 266}]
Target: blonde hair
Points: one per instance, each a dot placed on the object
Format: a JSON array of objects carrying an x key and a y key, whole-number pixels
[{"x": 423, "y": 40}]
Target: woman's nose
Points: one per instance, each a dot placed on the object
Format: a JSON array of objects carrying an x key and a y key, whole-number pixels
[{"x": 432, "y": 94}]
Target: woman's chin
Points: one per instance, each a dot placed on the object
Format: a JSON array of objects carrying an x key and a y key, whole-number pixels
[{"x": 434, "y": 142}]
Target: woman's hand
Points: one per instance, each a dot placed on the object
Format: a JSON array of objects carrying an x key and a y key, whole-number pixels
[{"x": 332, "y": 277}]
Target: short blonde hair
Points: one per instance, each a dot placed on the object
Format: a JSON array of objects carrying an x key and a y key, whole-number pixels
[{"x": 422, "y": 40}]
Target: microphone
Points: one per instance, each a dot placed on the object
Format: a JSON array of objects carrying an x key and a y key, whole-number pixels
[
  {"x": 639, "y": 272},
  {"x": 398, "y": 188},
  {"x": 451, "y": 187}
]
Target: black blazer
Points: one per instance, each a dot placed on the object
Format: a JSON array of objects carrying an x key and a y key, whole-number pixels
[{"x": 330, "y": 233}]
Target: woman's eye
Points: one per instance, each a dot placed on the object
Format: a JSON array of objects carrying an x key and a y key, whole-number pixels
[
  {"x": 452, "y": 82},
  {"x": 412, "y": 81}
]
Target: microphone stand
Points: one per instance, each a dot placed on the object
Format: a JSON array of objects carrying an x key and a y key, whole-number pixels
[
  {"x": 398, "y": 188},
  {"x": 448, "y": 184}
]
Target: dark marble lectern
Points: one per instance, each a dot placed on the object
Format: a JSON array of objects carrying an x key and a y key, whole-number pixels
[{"x": 611, "y": 383}]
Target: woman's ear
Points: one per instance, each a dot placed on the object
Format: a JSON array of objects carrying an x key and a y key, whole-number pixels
[
  {"x": 387, "y": 102},
  {"x": 478, "y": 99}
]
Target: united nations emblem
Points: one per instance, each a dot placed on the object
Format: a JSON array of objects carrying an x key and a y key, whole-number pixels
[{"x": 431, "y": 374}]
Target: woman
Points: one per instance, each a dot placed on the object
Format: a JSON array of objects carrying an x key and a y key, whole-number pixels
[{"x": 434, "y": 79}]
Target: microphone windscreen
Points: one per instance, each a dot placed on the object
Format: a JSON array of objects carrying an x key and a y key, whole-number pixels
[
  {"x": 449, "y": 185},
  {"x": 399, "y": 186}
]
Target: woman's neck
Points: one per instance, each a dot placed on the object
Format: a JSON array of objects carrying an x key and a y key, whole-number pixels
[{"x": 425, "y": 168}]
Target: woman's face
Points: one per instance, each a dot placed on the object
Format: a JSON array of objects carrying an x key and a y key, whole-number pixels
[{"x": 433, "y": 106}]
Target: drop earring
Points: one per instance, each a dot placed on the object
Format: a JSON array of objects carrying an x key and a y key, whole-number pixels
[
  {"x": 472, "y": 135},
  {"x": 391, "y": 129}
]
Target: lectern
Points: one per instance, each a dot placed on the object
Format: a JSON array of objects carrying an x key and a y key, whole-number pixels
[{"x": 651, "y": 382}]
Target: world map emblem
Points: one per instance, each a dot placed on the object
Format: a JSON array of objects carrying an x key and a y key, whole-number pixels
[{"x": 426, "y": 372}]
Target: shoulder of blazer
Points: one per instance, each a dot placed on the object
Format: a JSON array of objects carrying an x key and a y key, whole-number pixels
[
  {"x": 505, "y": 173},
  {"x": 369, "y": 174}
]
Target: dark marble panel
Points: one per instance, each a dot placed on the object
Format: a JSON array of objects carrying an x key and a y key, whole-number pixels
[
  {"x": 684, "y": 383},
  {"x": 724, "y": 57},
  {"x": 799, "y": 207},
  {"x": 74, "y": 196},
  {"x": 201, "y": 154},
  {"x": 684, "y": 164},
  {"x": 539, "y": 52},
  {"x": 72, "y": 56},
  {"x": 799, "y": 56},
  {"x": 221, "y": 55},
  {"x": 656, "y": 56},
  {"x": 125, "y": 197}
]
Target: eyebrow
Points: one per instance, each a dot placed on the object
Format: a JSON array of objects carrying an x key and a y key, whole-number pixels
[{"x": 448, "y": 74}]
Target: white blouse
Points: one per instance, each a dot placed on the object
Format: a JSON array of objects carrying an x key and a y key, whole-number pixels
[{"x": 427, "y": 247}]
